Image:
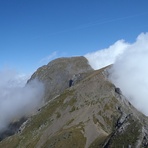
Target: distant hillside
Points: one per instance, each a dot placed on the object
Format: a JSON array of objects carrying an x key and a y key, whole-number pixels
[{"x": 92, "y": 113}]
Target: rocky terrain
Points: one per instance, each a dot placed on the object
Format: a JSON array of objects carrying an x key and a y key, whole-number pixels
[{"x": 89, "y": 113}]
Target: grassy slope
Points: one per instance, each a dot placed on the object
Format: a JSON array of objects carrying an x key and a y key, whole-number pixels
[{"x": 83, "y": 115}]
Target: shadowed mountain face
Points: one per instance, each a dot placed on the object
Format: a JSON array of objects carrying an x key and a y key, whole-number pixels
[{"x": 91, "y": 113}]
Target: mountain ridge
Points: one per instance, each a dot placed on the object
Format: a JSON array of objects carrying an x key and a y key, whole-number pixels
[{"x": 89, "y": 114}]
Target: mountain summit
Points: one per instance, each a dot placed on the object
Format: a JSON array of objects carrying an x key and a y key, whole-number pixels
[
  {"x": 82, "y": 109},
  {"x": 57, "y": 73}
]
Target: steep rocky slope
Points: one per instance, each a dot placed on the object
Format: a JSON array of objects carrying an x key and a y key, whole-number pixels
[{"x": 92, "y": 113}]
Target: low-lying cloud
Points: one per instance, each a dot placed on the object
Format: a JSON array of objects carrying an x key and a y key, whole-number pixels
[
  {"x": 16, "y": 98},
  {"x": 129, "y": 71}
]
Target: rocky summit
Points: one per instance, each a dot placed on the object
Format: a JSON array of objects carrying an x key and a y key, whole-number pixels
[{"x": 82, "y": 109}]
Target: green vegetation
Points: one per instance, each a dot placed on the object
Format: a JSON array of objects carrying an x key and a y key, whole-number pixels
[
  {"x": 38, "y": 123},
  {"x": 58, "y": 114},
  {"x": 44, "y": 118},
  {"x": 12, "y": 142},
  {"x": 72, "y": 101},
  {"x": 128, "y": 137},
  {"x": 70, "y": 138},
  {"x": 72, "y": 109},
  {"x": 95, "y": 120},
  {"x": 98, "y": 142},
  {"x": 69, "y": 122}
]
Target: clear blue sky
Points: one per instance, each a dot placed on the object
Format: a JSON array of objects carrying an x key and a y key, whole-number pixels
[{"x": 31, "y": 30}]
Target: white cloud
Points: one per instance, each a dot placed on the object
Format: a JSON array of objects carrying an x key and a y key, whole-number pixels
[
  {"x": 129, "y": 70},
  {"x": 105, "y": 57},
  {"x": 16, "y": 98},
  {"x": 50, "y": 57},
  {"x": 130, "y": 73},
  {"x": 12, "y": 78}
]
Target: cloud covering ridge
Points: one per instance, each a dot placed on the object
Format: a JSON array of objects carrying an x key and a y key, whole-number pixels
[
  {"x": 16, "y": 98},
  {"x": 129, "y": 70},
  {"x": 107, "y": 56},
  {"x": 130, "y": 73}
]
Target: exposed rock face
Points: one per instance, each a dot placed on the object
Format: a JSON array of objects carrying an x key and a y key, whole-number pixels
[
  {"x": 56, "y": 74},
  {"x": 91, "y": 113}
]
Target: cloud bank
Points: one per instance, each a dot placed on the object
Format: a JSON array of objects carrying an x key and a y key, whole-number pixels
[
  {"x": 129, "y": 71},
  {"x": 16, "y": 98},
  {"x": 105, "y": 57}
]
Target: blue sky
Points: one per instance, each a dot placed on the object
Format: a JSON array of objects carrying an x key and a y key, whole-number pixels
[{"x": 32, "y": 31}]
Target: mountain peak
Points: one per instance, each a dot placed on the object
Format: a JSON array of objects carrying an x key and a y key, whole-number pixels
[{"x": 57, "y": 73}]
